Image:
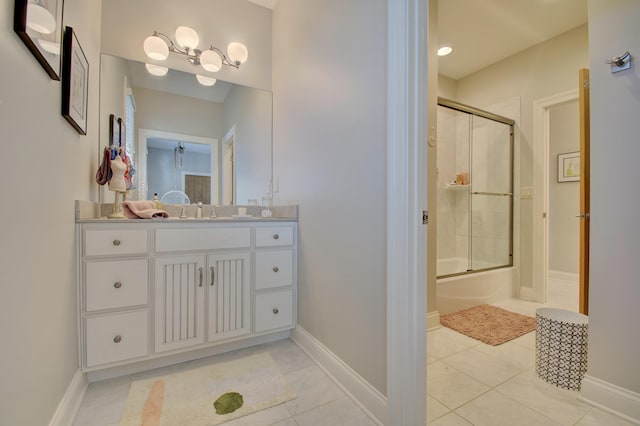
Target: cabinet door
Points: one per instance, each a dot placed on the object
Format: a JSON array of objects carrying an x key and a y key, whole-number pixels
[
  {"x": 179, "y": 301},
  {"x": 229, "y": 295}
]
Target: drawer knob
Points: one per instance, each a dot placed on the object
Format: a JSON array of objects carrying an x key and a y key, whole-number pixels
[
  {"x": 116, "y": 242},
  {"x": 117, "y": 284},
  {"x": 276, "y": 236},
  {"x": 117, "y": 339},
  {"x": 276, "y": 269},
  {"x": 275, "y": 311}
]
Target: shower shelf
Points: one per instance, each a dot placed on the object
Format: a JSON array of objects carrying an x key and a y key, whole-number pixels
[{"x": 454, "y": 187}]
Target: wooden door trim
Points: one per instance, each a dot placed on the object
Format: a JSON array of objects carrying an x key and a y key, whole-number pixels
[{"x": 585, "y": 183}]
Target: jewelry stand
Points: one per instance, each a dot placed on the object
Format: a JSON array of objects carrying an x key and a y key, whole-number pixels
[{"x": 117, "y": 210}]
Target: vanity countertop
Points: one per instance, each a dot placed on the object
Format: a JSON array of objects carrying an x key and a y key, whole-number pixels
[
  {"x": 189, "y": 220},
  {"x": 91, "y": 212}
]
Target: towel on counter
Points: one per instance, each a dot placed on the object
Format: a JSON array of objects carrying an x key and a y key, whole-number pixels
[{"x": 144, "y": 209}]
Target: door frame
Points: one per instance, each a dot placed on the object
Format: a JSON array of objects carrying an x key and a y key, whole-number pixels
[
  {"x": 540, "y": 267},
  {"x": 144, "y": 134},
  {"x": 410, "y": 91}
]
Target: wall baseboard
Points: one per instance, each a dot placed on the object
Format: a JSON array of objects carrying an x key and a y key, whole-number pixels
[
  {"x": 609, "y": 397},
  {"x": 526, "y": 293},
  {"x": 569, "y": 277},
  {"x": 366, "y": 396},
  {"x": 70, "y": 403},
  {"x": 433, "y": 320}
]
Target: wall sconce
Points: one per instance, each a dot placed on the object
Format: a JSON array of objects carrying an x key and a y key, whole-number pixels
[{"x": 159, "y": 45}]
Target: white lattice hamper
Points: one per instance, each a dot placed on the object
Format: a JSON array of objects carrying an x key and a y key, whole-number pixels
[{"x": 561, "y": 347}]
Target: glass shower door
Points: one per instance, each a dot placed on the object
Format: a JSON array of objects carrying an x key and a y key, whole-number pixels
[{"x": 491, "y": 194}]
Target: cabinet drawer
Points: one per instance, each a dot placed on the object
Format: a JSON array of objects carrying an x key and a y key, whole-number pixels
[
  {"x": 274, "y": 236},
  {"x": 116, "y": 337},
  {"x": 116, "y": 284},
  {"x": 274, "y": 269},
  {"x": 99, "y": 242},
  {"x": 274, "y": 310},
  {"x": 181, "y": 239}
]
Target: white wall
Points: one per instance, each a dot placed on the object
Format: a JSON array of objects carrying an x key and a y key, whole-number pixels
[
  {"x": 564, "y": 197},
  {"x": 167, "y": 112},
  {"x": 250, "y": 111},
  {"x": 127, "y": 23},
  {"x": 541, "y": 71},
  {"x": 614, "y": 347},
  {"x": 47, "y": 166},
  {"x": 329, "y": 86}
]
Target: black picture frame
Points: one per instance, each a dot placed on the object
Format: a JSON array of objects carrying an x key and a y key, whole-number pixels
[
  {"x": 36, "y": 35},
  {"x": 75, "y": 82}
]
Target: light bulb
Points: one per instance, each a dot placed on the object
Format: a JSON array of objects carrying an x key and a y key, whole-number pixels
[
  {"x": 40, "y": 19},
  {"x": 205, "y": 81},
  {"x": 187, "y": 37},
  {"x": 156, "y": 70},
  {"x": 237, "y": 52},
  {"x": 156, "y": 48},
  {"x": 445, "y": 50},
  {"x": 211, "y": 60}
]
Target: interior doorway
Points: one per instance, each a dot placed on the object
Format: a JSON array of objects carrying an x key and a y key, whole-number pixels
[{"x": 556, "y": 233}]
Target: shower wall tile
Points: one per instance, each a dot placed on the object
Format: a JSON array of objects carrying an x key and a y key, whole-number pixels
[
  {"x": 462, "y": 247},
  {"x": 461, "y": 223}
]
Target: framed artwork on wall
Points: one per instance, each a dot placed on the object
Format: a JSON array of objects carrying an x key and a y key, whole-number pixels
[
  {"x": 569, "y": 167},
  {"x": 75, "y": 82},
  {"x": 39, "y": 26}
]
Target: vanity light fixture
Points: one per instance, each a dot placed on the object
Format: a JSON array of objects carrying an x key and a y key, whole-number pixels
[
  {"x": 445, "y": 50},
  {"x": 158, "y": 46}
]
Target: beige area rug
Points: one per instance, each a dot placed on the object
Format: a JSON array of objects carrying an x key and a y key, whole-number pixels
[
  {"x": 208, "y": 395},
  {"x": 489, "y": 324}
]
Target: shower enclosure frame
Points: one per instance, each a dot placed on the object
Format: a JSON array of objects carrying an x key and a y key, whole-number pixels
[{"x": 473, "y": 111}]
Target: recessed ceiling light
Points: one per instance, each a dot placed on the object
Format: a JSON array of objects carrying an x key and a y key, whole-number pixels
[{"x": 445, "y": 50}]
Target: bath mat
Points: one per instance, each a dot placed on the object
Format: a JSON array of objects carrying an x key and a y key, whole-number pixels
[
  {"x": 208, "y": 395},
  {"x": 489, "y": 324}
]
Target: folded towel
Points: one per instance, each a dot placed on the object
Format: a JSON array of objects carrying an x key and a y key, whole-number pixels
[{"x": 144, "y": 209}]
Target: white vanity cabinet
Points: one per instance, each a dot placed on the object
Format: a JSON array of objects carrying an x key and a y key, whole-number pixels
[
  {"x": 152, "y": 289},
  {"x": 114, "y": 294}
]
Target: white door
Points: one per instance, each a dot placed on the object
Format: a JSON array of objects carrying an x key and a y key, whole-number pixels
[
  {"x": 229, "y": 300},
  {"x": 179, "y": 301}
]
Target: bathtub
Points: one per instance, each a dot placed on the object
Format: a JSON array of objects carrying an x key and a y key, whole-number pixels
[{"x": 473, "y": 289}]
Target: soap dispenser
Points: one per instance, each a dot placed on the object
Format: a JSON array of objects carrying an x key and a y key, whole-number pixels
[{"x": 156, "y": 201}]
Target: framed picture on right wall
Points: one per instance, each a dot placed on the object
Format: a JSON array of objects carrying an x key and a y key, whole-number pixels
[{"x": 569, "y": 167}]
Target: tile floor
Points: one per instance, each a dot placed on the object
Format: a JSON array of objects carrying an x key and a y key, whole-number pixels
[
  {"x": 468, "y": 383},
  {"x": 319, "y": 401},
  {"x": 472, "y": 383}
]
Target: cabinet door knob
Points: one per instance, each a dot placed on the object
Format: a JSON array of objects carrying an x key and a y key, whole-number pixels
[
  {"x": 117, "y": 284},
  {"x": 117, "y": 339},
  {"x": 213, "y": 276},
  {"x": 201, "y": 276},
  {"x": 275, "y": 311},
  {"x": 276, "y": 236},
  {"x": 116, "y": 242},
  {"x": 276, "y": 269}
]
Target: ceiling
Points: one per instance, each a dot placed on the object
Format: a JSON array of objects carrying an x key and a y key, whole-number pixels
[{"x": 483, "y": 32}]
